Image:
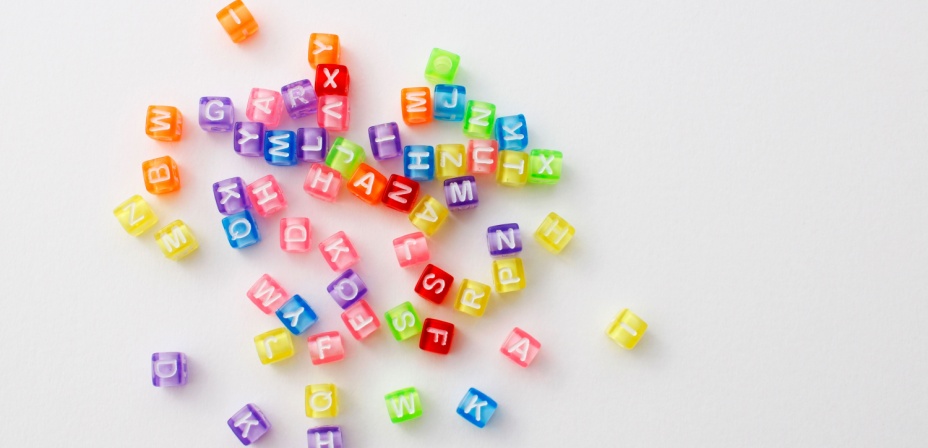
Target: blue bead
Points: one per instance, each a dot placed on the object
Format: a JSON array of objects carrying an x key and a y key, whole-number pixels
[
  {"x": 448, "y": 102},
  {"x": 296, "y": 315},
  {"x": 419, "y": 162},
  {"x": 280, "y": 148},
  {"x": 477, "y": 407},
  {"x": 241, "y": 230},
  {"x": 511, "y": 132}
]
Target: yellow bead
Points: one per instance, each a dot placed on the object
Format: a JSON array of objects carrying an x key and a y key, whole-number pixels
[
  {"x": 273, "y": 346},
  {"x": 508, "y": 275},
  {"x": 321, "y": 401},
  {"x": 451, "y": 161},
  {"x": 513, "y": 168},
  {"x": 472, "y": 298},
  {"x": 176, "y": 240},
  {"x": 627, "y": 329},
  {"x": 135, "y": 215},
  {"x": 554, "y": 233},
  {"x": 428, "y": 215}
]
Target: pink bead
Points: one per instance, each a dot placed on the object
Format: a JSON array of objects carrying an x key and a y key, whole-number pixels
[
  {"x": 520, "y": 347},
  {"x": 338, "y": 252},
  {"x": 267, "y": 294},
  {"x": 325, "y": 347},
  {"x": 266, "y": 196},
  {"x": 482, "y": 156},
  {"x": 333, "y": 113},
  {"x": 295, "y": 234},
  {"x": 265, "y": 106},
  {"x": 322, "y": 182},
  {"x": 411, "y": 249},
  {"x": 360, "y": 320}
]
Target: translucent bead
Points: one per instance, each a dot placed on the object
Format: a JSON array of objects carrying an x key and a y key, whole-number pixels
[
  {"x": 238, "y": 22},
  {"x": 274, "y": 346},
  {"x": 508, "y": 275},
  {"x": 627, "y": 329},
  {"x": 176, "y": 240},
  {"x": 403, "y": 321},
  {"x": 554, "y": 233},
  {"x": 164, "y": 123},
  {"x": 135, "y": 215},
  {"x": 403, "y": 405},
  {"x": 520, "y": 347},
  {"x": 321, "y": 401},
  {"x": 442, "y": 66}
]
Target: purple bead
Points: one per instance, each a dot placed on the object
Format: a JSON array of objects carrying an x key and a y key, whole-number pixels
[
  {"x": 248, "y": 138},
  {"x": 504, "y": 239},
  {"x": 385, "y": 141},
  {"x": 299, "y": 98},
  {"x": 230, "y": 196},
  {"x": 312, "y": 144},
  {"x": 216, "y": 114},
  {"x": 249, "y": 424},
  {"x": 168, "y": 369},
  {"x": 325, "y": 437},
  {"x": 461, "y": 193},
  {"x": 347, "y": 289}
]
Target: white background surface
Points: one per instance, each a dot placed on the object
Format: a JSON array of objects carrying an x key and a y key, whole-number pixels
[{"x": 749, "y": 177}]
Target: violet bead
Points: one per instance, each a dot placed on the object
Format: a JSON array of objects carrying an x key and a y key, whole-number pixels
[
  {"x": 248, "y": 138},
  {"x": 249, "y": 424},
  {"x": 312, "y": 144},
  {"x": 325, "y": 437},
  {"x": 504, "y": 239},
  {"x": 461, "y": 193},
  {"x": 216, "y": 114},
  {"x": 230, "y": 196},
  {"x": 385, "y": 141},
  {"x": 168, "y": 369},
  {"x": 347, "y": 289},
  {"x": 300, "y": 99}
]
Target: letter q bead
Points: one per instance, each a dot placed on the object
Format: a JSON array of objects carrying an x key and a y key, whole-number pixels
[{"x": 627, "y": 329}]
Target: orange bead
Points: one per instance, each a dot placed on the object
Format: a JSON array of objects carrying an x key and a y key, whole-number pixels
[
  {"x": 237, "y": 21},
  {"x": 164, "y": 123},
  {"x": 367, "y": 184},
  {"x": 161, "y": 175},
  {"x": 323, "y": 49},
  {"x": 417, "y": 105}
]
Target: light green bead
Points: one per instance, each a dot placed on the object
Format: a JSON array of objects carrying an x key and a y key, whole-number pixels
[
  {"x": 442, "y": 66},
  {"x": 403, "y": 321},
  {"x": 403, "y": 405},
  {"x": 345, "y": 156},
  {"x": 544, "y": 166},
  {"x": 478, "y": 119}
]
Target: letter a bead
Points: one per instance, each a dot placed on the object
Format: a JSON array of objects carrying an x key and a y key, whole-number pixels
[
  {"x": 403, "y": 321},
  {"x": 164, "y": 123},
  {"x": 403, "y": 405},
  {"x": 241, "y": 230},
  {"x": 360, "y": 320},
  {"x": 513, "y": 168},
  {"x": 274, "y": 346},
  {"x": 249, "y": 424},
  {"x": 367, "y": 184},
  {"x": 477, "y": 407},
  {"x": 338, "y": 252},
  {"x": 544, "y": 166},
  {"x": 434, "y": 284},
  {"x": 437, "y": 336},
  {"x": 442, "y": 66},
  {"x": 135, "y": 215},
  {"x": 411, "y": 249},
  {"x": 322, "y": 182},
  {"x": 627, "y": 329},
  {"x": 428, "y": 215},
  {"x": 347, "y": 289},
  {"x": 168, "y": 369},
  {"x": 473, "y": 298},
  {"x": 238, "y": 22},
  {"x": 267, "y": 294},
  {"x": 176, "y": 240},
  {"x": 161, "y": 175},
  {"x": 295, "y": 234},
  {"x": 508, "y": 275},
  {"x": 321, "y": 401},
  {"x": 520, "y": 347},
  {"x": 325, "y": 437},
  {"x": 554, "y": 233},
  {"x": 416, "y": 104},
  {"x": 216, "y": 114},
  {"x": 266, "y": 196},
  {"x": 265, "y": 106},
  {"x": 478, "y": 119},
  {"x": 323, "y": 49},
  {"x": 296, "y": 315},
  {"x": 325, "y": 347},
  {"x": 512, "y": 132}
]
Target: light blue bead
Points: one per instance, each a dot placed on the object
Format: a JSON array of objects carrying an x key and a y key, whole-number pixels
[
  {"x": 448, "y": 102},
  {"x": 280, "y": 148},
  {"x": 511, "y": 132},
  {"x": 241, "y": 230},
  {"x": 296, "y": 315},
  {"x": 419, "y": 162},
  {"x": 477, "y": 407}
]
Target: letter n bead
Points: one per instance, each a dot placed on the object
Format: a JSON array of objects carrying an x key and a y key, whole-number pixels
[
  {"x": 627, "y": 329},
  {"x": 161, "y": 175},
  {"x": 295, "y": 234},
  {"x": 403, "y": 321},
  {"x": 461, "y": 193},
  {"x": 249, "y": 424},
  {"x": 176, "y": 240},
  {"x": 168, "y": 369},
  {"x": 325, "y": 437},
  {"x": 520, "y": 347},
  {"x": 321, "y": 401},
  {"x": 479, "y": 117},
  {"x": 477, "y": 407},
  {"x": 401, "y": 193},
  {"x": 437, "y": 336},
  {"x": 216, "y": 114},
  {"x": 164, "y": 123},
  {"x": 554, "y": 233},
  {"x": 411, "y": 249},
  {"x": 338, "y": 252},
  {"x": 360, "y": 320},
  {"x": 434, "y": 284},
  {"x": 265, "y": 196},
  {"x": 241, "y": 230},
  {"x": 274, "y": 346},
  {"x": 135, "y": 215},
  {"x": 238, "y": 22},
  {"x": 403, "y": 405},
  {"x": 504, "y": 239},
  {"x": 451, "y": 160},
  {"x": 325, "y": 347}
]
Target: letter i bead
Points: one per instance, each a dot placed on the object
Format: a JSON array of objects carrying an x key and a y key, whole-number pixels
[
  {"x": 627, "y": 329},
  {"x": 176, "y": 240},
  {"x": 238, "y": 22}
]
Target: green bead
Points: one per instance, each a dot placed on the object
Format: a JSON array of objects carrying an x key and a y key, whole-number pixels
[
  {"x": 544, "y": 166},
  {"x": 403, "y": 405},
  {"x": 345, "y": 156},
  {"x": 442, "y": 66},
  {"x": 403, "y": 321},
  {"x": 478, "y": 119}
]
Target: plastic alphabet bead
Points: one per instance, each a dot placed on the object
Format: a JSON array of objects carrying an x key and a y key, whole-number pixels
[
  {"x": 238, "y": 22},
  {"x": 419, "y": 162},
  {"x": 135, "y": 215},
  {"x": 360, "y": 320},
  {"x": 321, "y": 401},
  {"x": 627, "y": 329},
  {"x": 216, "y": 114},
  {"x": 434, "y": 284},
  {"x": 332, "y": 79},
  {"x": 265, "y": 196},
  {"x": 176, "y": 240},
  {"x": 322, "y": 182},
  {"x": 504, "y": 239},
  {"x": 161, "y": 175},
  {"x": 312, "y": 144},
  {"x": 513, "y": 168},
  {"x": 299, "y": 99},
  {"x": 477, "y": 407},
  {"x": 241, "y": 230},
  {"x": 473, "y": 298},
  {"x": 230, "y": 196},
  {"x": 325, "y": 437},
  {"x": 452, "y": 161},
  {"x": 296, "y": 315},
  {"x": 323, "y": 49},
  {"x": 416, "y": 103},
  {"x": 249, "y": 424},
  {"x": 442, "y": 66},
  {"x": 164, "y": 123},
  {"x": 428, "y": 215},
  {"x": 168, "y": 369},
  {"x": 385, "y": 141},
  {"x": 478, "y": 119},
  {"x": 520, "y": 347},
  {"x": 544, "y": 166},
  {"x": 248, "y": 138},
  {"x": 280, "y": 148},
  {"x": 461, "y": 193},
  {"x": 449, "y": 101},
  {"x": 265, "y": 106},
  {"x": 347, "y": 289},
  {"x": 512, "y": 132},
  {"x": 554, "y": 233},
  {"x": 338, "y": 252},
  {"x": 295, "y": 234},
  {"x": 437, "y": 336},
  {"x": 334, "y": 113},
  {"x": 401, "y": 193},
  {"x": 267, "y": 294},
  {"x": 403, "y": 405},
  {"x": 325, "y": 347},
  {"x": 482, "y": 156},
  {"x": 367, "y": 184},
  {"x": 403, "y": 321},
  {"x": 274, "y": 346},
  {"x": 508, "y": 275},
  {"x": 411, "y": 249},
  {"x": 345, "y": 156}
]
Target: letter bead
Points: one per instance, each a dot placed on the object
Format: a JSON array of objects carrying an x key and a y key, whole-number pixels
[
  {"x": 334, "y": 113},
  {"x": 461, "y": 193},
  {"x": 442, "y": 66},
  {"x": 295, "y": 234},
  {"x": 216, "y": 114},
  {"x": 248, "y": 138},
  {"x": 267, "y": 294},
  {"x": 274, "y": 346},
  {"x": 513, "y": 168},
  {"x": 338, "y": 252},
  {"x": 477, "y": 407},
  {"x": 322, "y": 182},
  {"x": 627, "y": 329},
  {"x": 385, "y": 141},
  {"x": 437, "y": 336},
  {"x": 472, "y": 298},
  {"x": 478, "y": 119},
  {"x": 416, "y": 104},
  {"x": 401, "y": 193},
  {"x": 544, "y": 166},
  {"x": 135, "y": 215},
  {"x": 512, "y": 132},
  {"x": 238, "y": 22},
  {"x": 554, "y": 233},
  {"x": 265, "y": 106},
  {"x": 428, "y": 215},
  {"x": 164, "y": 123},
  {"x": 321, "y": 401},
  {"x": 332, "y": 79},
  {"x": 451, "y": 160},
  {"x": 411, "y": 249},
  {"x": 360, "y": 320},
  {"x": 168, "y": 369},
  {"x": 325, "y": 437},
  {"x": 249, "y": 423},
  {"x": 347, "y": 289},
  {"x": 419, "y": 162},
  {"x": 312, "y": 144},
  {"x": 241, "y": 230},
  {"x": 265, "y": 196},
  {"x": 508, "y": 275},
  {"x": 403, "y": 405},
  {"x": 161, "y": 175},
  {"x": 482, "y": 156},
  {"x": 403, "y": 321},
  {"x": 296, "y": 315},
  {"x": 504, "y": 239},
  {"x": 230, "y": 196},
  {"x": 434, "y": 284},
  {"x": 299, "y": 99},
  {"x": 176, "y": 240},
  {"x": 345, "y": 156},
  {"x": 520, "y": 347},
  {"x": 323, "y": 49},
  {"x": 325, "y": 347},
  {"x": 367, "y": 184},
  {"x": 449, "y": 101},
  {"x": 280, "y": 148}
]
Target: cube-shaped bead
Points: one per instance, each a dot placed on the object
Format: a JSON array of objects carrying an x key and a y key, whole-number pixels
[
  {"x": 332, "y": 79},
  {"x": 478, "y": 119},
  {"x": 419, "y": 162},
  {"x": 321, "y": 401},
  {"x": 401, "y": 193},
  {"x": 477, "y": 407},
  {"x": 347, "y": 289},
  {"x": 168, "y": 369},
  {"x": 385, "y": 141},
  {"x": 135, "y": 215},
  {"x": 238, "y": 22},
  {"x": 230, "y": 196},
  {"x": 249, "y": 423},
  {"x": 442, "y": 66},
  {"x": 325, "y": 347},
  {"x": 416, "y": 105},
  {"x": 265, "y": 196},
  {"x": 451, "y": 160},
  {"x": 267, "y": 294},
  {"x": 323, "y": 49},
  {"x": 164, "y": 123},
  {"x": 345, "y": 156},
  {"x": 265, "y": 106},
  {"x": 508, "y": 275},
  {"x": 360, "y": 320},
  {"x": 461, "y": 193},
  {"x": 627, "y": 329},
  {"x": 338, "y": 252},
  {"x": 512, "y": 132},
  {"x": 554, "y": 233},
  {"x": 367, "y": 184},
  {"x": 216, "y": 114},
  {"x": 544, "y": 166},
  {"x": 312, "y": 144},
  {"x": 241, "y": 230},
  {"x": 325, "y": 437},
  {"x": 520, "y": 347},
  {"x": 513, "y": 168},
  {"x": 299, "y": 99},
  {"x": 161, "y": 175},
  {"x": 176, "y": 240},
  {"x": 473, "y": 298},
  {"x": 403, "y": 321},
  {"x": 322, "y": 182},
  {"x": 296, "y": 315},
  {"x": 428, "y": 215},
  {"x": 274, "y": 346},
  {"x": 248, "y": 138},
  {"x": 482, "y": 156},
  {"x": 434, "y": 284},
  {"x": 295, "y": 234},
  {"x": 280, "y": 148},
  {"x": 449, "y": 101},
  {"x": 411, "y": 249},
  {"x": 437, "y": 336},
  {"x": 334, "y": 113},
  {"x": 403, "y": 405},
  {"x": 504, "y": 239}
]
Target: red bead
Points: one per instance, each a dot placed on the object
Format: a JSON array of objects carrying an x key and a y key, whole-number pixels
[
  {"x": 401, "y": 193},
  {"x": 332, "y": 79},
  {"x": 436, "y": 336},
  {"x": 434, "y": 284}
]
